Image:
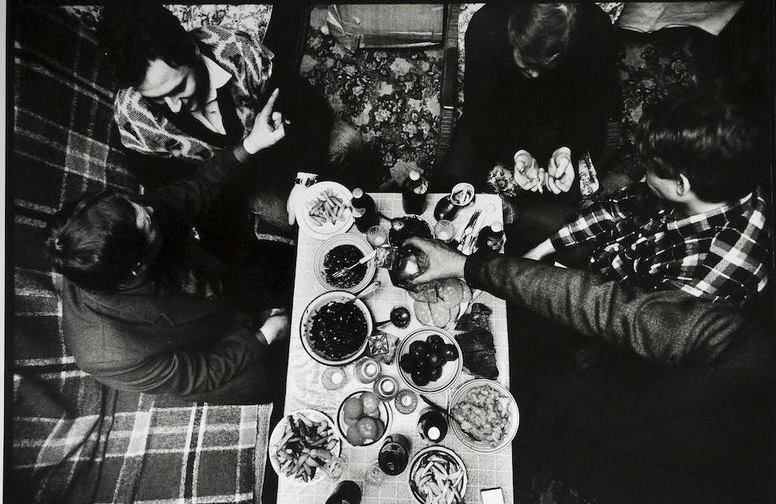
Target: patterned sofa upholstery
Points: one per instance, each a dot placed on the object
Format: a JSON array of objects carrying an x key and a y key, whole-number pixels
[{"x": 73, "y": 439}]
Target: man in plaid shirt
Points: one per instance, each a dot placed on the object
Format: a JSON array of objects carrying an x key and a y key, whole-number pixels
[{"x": 696, "y": 222}]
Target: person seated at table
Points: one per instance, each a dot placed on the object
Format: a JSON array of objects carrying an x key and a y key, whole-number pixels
[
  {"x": 146, "y": 307},
  {"x": 186, "y": 96},
  {"x": 539, "y": 84},
  {"x": 697, "y": 221}
]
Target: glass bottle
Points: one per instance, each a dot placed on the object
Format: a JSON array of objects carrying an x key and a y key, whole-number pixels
[
  {"x": 364, "y": 210},
  {"x": 414, "y": 193},
  {"x": 346, "y": 492}
]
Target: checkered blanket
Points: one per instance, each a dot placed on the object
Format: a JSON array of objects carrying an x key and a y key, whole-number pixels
[{"x": 74, "y": 440}]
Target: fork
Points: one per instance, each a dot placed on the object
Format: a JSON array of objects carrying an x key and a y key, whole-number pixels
[{"x": 343, "y": 271}]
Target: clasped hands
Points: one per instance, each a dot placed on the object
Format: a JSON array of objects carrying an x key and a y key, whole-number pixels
[{"x": 557, "y": 178}]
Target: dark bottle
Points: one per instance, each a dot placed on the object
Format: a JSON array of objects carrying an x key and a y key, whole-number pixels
[
  {"x": 491, "y": 237},
  {"x": 414, "y": 193},
  {"x": 394, "y": 455},
  {"x": 432, "y": 426},
  {"x": 364, "y": 210},
  {"x": 346, "y": 492}
]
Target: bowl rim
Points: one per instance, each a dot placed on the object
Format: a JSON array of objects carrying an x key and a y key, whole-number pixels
[
  {"x": 441, "y": 448},
  {"x": 477, "y": 446},
  {"x": 382, "y": 404},
  {"x": 307, "y": 313},
  {"x": 343, "y": 239},
  {"x": 273, "y": 458},
  {"x": 405, "y": 344}
]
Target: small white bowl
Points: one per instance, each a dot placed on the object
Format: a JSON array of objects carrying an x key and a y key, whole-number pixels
[{"x": 385, "y": 416}]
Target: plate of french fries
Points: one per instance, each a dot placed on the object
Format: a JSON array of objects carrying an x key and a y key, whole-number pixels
[
  {"x": 438, "y": 476},
  {"x": 325, "y": 210},
  {"x": 301, "y": 445}
]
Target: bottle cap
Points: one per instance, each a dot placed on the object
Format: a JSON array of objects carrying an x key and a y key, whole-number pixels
[
  {"x": 497, "y": 227},
  {"x": 358, "y": 192},
  {"x": 433, "y": 433},
  {"x": 414, "y": 175}
]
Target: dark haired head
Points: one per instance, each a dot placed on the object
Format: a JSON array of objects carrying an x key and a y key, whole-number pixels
[
  {"x": 540, "y": 33},
  {"x": 133, "y": 34},
  {"x": 707, "y": 139},
  {"x": 95, "y": 241}
]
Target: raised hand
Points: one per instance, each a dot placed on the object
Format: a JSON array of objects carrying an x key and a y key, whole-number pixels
[
  {"x": 560, "y": 171},
  {"x": 526, "y": 171},
  {"x": 267, "y": 128}
]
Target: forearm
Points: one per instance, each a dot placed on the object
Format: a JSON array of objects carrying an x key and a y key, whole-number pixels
[
  {"x": 193, "y": 195},
  {"x": 666, "y": 326},
  {"x": 184, "y": 372}
]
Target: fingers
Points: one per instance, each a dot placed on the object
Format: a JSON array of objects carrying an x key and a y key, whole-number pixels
[
  {"x": 266, "y": 112},
  {"x": 277, "y": 120},
  {"x": 421, "y": 243}
]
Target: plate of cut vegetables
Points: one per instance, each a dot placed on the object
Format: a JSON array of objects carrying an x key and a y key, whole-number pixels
[
  {"x": 325, "y": 210},
  {"x": 438, "y": 476},
  {"x": 301, "y": 445}
]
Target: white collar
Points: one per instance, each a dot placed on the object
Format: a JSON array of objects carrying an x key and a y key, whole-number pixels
[{"x": 218, "y": 78}]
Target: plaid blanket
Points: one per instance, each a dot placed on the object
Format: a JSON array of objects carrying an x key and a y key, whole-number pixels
[{"x": 74, "y": 440}]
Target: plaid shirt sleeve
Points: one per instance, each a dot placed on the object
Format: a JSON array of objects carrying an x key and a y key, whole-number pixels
[
  {"x": 599, "y": 218},
  {"x": 734, "y": 269}
]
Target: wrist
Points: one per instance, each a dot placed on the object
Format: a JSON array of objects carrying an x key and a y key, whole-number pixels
[{"x": 250, "y": 145}]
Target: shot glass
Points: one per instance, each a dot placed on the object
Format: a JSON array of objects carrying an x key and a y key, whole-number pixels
[
  {"x": 444, "y": 230},
  {"x": 377, "y": 236},
  {"x": 374, "y": 476},
  {"x": 335, "y": 468}
]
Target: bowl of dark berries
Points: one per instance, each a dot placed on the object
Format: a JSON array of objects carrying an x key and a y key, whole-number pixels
[
  {"x": 334, "y": 328},
  {"x": 339, "y": 252},
  {"x": 430, "y": 360}
]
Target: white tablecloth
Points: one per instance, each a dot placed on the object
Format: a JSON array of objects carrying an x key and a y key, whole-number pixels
[{"x": 304, "y": 389}]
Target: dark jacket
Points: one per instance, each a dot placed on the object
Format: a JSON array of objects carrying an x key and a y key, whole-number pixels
[
  {"x": 667, "y": 326},
  {"x": 506, "y": 111},
  {"x": 153, "y": 338}
]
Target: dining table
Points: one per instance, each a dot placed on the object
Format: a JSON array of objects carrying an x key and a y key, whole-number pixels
[{"x": 304, "y": 389}]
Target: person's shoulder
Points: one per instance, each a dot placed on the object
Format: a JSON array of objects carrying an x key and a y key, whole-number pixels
[
  {"x": 488, "y": 27},
  {"x": 594, "y": 26},
  {"x": 488, "y": 17},
  {"x": 225, "y": 38}
]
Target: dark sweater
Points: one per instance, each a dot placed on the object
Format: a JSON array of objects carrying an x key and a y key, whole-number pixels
[
  {"x": 506, "y": 111},
  {"x": 153, "y": 339}
]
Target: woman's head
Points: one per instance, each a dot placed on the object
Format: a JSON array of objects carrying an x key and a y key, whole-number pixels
[
  {"x": 540, "y": 35},
  {"x": 102, "y": 241}
]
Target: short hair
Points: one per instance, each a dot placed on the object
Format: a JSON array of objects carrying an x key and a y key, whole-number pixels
[
  {"x": 541, "y": 30},
  {"x": 94, "y": 241},
  {"x": 708, "y": 139},
  {"x": 133, "y": 34}
]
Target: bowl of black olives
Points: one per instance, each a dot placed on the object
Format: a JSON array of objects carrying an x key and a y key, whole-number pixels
[{"x": 430, "y": 360}]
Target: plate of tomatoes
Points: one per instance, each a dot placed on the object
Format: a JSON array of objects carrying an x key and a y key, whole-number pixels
[{"x": 430, "y": 360}]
